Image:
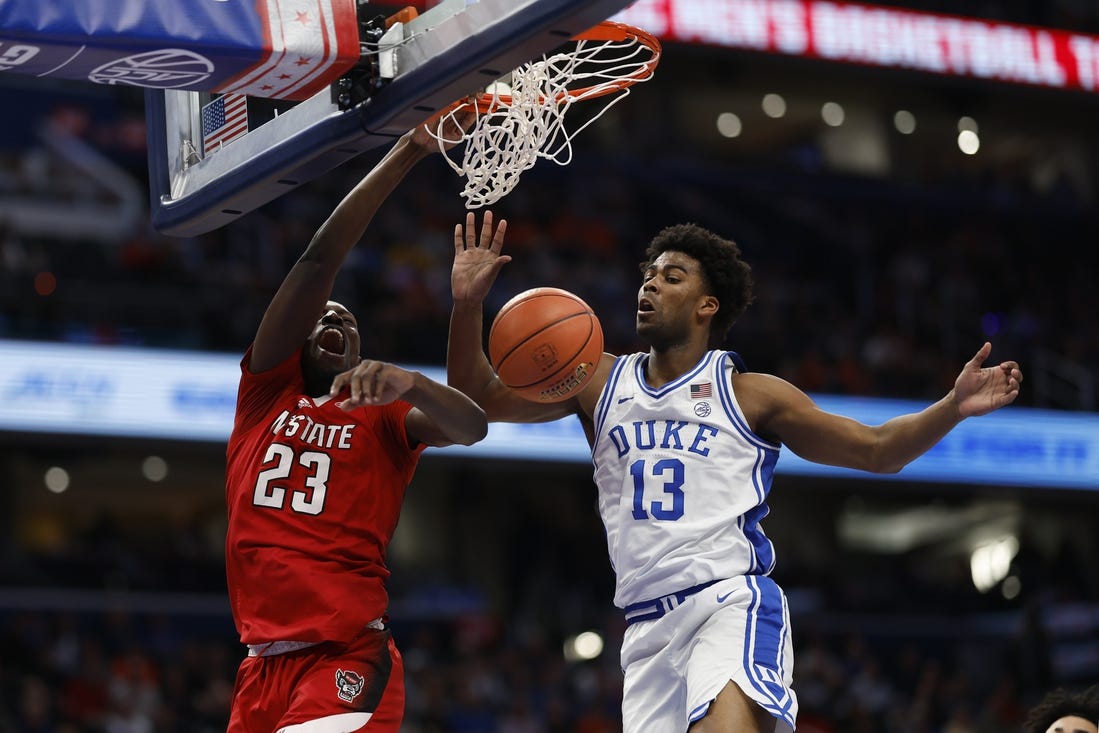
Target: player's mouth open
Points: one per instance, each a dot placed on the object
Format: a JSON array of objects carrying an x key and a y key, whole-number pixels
[
  {"x": 332, "y": 340},
  {"x": 644, "y": 306}
]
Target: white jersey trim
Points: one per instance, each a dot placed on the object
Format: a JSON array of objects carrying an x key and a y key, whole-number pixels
[
  {"x": 342, "y": 723},
  {"x": 639, "y": 369},
  {"x": 603, "y": 406},
  {"x": 733, "y": 410}
]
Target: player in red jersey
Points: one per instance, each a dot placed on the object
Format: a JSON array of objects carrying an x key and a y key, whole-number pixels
[{"x": 322, "y": 448}]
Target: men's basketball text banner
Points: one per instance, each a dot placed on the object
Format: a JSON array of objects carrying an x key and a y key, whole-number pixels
[
  {"x": 878, "y": 36},
  {"x": 284, "y": 49}
]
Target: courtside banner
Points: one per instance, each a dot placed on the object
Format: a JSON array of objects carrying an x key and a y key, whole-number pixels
[
  {"x": 879, "y": 36},
  {"x": 284, "y": 49},
  {"x": 130, "y": 392}
]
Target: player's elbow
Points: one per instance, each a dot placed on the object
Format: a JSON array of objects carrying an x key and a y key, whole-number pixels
[
  {"x": 889, "y": 468},
  {"x": 473, "y": 430},
  {"x": 880, "y": 461},
  {"x": 875, "y": 457},
  {"x": 479, "y": 434}
]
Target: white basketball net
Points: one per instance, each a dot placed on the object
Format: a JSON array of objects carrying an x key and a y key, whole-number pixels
[{"x": 529, "y": 125}]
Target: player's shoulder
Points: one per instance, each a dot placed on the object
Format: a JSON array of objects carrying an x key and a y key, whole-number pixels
[
  {"x": 761, "y": 381},
  {"x": 607, "y": 364},
  {"x": 612, "y": 364},
  {"x": 586, "y": 401},
  {"x": 761, "y": 394}
]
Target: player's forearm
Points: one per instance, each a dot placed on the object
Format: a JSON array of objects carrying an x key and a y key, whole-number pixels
[
  {"x": 457, "y": 417},
  {"x": 905, "y": 438},
  {"x": 347, "y": 223},
  {"x": 469, "y": 370},
  {"x": 301, "y": 296},
  {"x": 467, "y": 367}
]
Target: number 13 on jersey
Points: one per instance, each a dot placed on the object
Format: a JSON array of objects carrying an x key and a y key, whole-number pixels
[{"x": 667, "y": 476}]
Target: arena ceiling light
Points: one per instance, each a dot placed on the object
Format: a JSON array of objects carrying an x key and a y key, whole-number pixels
[
  {"x": 729, "y": 125},
  {"x": 904, "y": 121}
]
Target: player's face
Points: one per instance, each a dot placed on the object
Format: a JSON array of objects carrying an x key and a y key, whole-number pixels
[
  {"x": 671, "y": 290},
  {"x": 333, "y": 346},
  {"x": 1073, "y": 724}
]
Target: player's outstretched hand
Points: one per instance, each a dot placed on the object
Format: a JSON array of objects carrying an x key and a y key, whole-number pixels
[
  {"x": 477, "y": 258},
  {"x": 979, "y": 390},
  {"x": 372, "y": 383}
]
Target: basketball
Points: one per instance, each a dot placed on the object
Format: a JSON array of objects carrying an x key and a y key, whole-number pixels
[{"x": 545, "y": 344}]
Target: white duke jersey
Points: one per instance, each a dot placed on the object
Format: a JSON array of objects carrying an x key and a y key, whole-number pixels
[{"x": 682, "y": 480}]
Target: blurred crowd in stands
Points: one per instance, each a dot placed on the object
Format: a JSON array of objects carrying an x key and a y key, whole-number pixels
[
  {"x": 865, "y": 286},
  {"x": 113, "y": 672},
  {"x": 140, "y": 639}
]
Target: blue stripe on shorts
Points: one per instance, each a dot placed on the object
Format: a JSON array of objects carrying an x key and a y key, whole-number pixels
[{"x": 764, "y": 642}]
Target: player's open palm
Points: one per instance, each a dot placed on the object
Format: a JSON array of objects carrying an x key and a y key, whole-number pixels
[
  {"x": 477, "y": 258},
  {"x": 372, "y": 383},
  {"x": 979, "y": 389}
]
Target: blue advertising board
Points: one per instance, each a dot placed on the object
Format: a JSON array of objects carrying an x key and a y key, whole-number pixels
[{"x": 179, "y": 395}]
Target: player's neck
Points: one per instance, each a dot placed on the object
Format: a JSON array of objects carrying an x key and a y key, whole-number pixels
[
  {"x": 317, "y": 384},
  {"x": 667, "y": 365}
]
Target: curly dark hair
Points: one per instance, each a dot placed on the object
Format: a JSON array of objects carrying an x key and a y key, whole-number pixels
[
  {"x": 1061, "y": 703},
  {"x": 727, "y": 276}
]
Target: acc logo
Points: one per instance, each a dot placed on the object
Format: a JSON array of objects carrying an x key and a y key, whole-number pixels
[
  {"x": 348, "y": 684},
  {"x": 168, "y": 68},
  {"x": 702, "y": 409}
]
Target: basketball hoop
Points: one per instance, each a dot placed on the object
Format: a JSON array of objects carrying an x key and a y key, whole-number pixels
[{"x": 521, "y": 117}]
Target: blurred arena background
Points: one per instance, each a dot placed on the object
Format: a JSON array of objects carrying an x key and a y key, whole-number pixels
[{"x": 895, "y": 220}]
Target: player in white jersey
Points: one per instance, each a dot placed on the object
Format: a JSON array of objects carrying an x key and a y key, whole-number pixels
[{"x": 684, "y": 444}]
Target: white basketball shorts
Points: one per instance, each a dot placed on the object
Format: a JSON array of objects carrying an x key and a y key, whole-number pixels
[{"x": 675, "y": 665}]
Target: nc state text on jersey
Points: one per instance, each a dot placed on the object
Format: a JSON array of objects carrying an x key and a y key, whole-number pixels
[{"x": 312, "y": 433}]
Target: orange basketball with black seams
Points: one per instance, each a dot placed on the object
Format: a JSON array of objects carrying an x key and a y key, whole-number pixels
[{"x": 545, "y": 343}]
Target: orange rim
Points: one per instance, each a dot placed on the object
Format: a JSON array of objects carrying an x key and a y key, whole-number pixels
[
  {"x": 610, "y": 31},
  {"x": 404, "y": 15}
]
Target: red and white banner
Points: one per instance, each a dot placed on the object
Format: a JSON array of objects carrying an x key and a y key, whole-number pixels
[
  {"x": 309, "y": 44},
  {"x": 879, "y": 36}
]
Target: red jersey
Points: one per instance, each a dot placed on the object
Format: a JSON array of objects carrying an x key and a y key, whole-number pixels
[{"x": 313, "y": 495}]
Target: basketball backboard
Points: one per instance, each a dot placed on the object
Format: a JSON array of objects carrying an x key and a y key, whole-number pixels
[{"x": 407, "y": 72}]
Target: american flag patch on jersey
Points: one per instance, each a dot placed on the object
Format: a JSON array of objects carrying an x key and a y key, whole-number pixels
[
  {"x": 702, "y": 389},
  {"x": 223, "y": 121}
]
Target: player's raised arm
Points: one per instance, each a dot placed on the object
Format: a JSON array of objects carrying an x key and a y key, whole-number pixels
[
  {"x": 296, "y": 306},
  {"x": 818, "y": 436},
  {"x": 477, "y": 262}
]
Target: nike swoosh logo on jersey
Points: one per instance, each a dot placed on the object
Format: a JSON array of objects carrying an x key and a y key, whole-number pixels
[
  {"x": 624, "y": 399},
  {"x": 722, "y": 598}
]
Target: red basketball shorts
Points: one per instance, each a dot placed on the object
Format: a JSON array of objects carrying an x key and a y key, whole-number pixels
[{"x": 326, "y": 688}]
